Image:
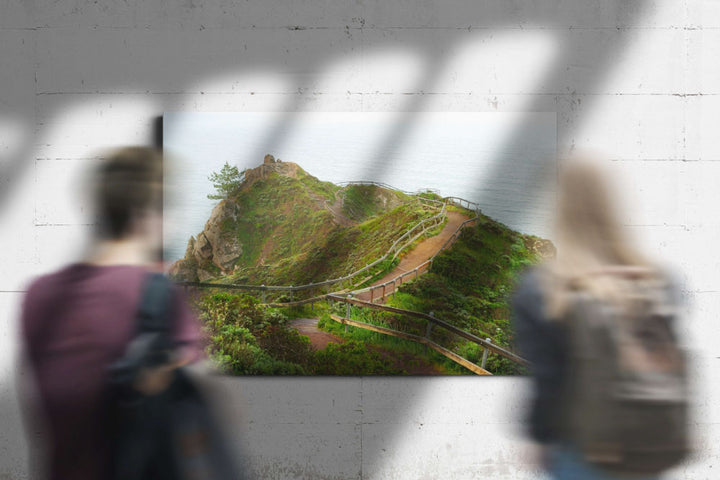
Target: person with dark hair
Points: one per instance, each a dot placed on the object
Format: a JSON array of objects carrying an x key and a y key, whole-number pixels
[{"x": 77, "y": 321}]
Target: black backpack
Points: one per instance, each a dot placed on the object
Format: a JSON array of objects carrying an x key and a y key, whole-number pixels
[
  {"x": 628, "y": 398},
  {"x": 169, "y": 436}
]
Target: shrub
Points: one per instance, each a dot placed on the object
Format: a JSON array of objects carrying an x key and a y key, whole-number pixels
[
  {"x": 286, "y": 344},
  {"x": 226, "y": 182},
  {"x": 352, "y": 358}
]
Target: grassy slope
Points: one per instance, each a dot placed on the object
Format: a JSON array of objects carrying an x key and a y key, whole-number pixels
[
  {"x": 290, "y": 238},
  {"x": 469, "y": 284}
]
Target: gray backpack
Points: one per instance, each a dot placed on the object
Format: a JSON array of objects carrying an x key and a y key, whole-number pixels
[{"x": 628, "y": 398}]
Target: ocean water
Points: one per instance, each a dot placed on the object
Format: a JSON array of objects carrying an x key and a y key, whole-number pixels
[{"x": 476, "y": 156}]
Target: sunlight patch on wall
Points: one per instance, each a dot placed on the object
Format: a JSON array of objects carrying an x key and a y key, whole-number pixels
[{"x": 494, "y": 62}]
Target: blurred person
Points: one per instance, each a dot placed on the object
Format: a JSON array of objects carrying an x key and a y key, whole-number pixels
[
  {"x": 597, "y": 326},
  {"x": 77, "y": 321}
]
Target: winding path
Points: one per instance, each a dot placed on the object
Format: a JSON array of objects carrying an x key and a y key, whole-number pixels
[
  {"x": 318, "y": 338},
  {"x": 422, "y": 252}
]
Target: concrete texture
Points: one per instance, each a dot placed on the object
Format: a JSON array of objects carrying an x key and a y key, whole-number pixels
[{"x": 636, "y": 79}]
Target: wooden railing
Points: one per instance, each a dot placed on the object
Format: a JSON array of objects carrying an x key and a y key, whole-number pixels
[
  {"x": 389, "y": 288},
  {"x": 345, "y": 297},
  {"x": 416, "y": 231},
  {"x": 433, "y": 322},
  {"x": 382, "y": 291},
  {"x": 394, "y": 250},
  {"x": 390, "y": 187},
  {"x": 415, "y": 338}
]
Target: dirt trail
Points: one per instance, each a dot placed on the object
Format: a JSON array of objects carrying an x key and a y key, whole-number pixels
[
  {"x": 309, "y": 328},
  {"x": 422, "y": 252}
]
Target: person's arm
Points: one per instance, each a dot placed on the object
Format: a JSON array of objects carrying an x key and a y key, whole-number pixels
[
  {"x": 542, "y": 343},
  {"x": 187, "y": 334},
  {"x": 28, "y": 392}
]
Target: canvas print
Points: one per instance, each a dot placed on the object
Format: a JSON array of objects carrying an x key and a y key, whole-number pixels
[{"x": 357, "y": 243}]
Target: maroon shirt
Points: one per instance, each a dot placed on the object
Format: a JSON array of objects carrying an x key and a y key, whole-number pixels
[{"x": 75, "y": 323}]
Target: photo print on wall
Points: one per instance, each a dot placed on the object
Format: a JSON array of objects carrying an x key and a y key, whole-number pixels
[{"x": 340, "y": 244}]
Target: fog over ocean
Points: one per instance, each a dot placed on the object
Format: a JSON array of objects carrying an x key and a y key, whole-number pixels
[{"x": 451, "y": 153}]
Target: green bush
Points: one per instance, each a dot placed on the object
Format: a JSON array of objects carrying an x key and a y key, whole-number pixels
[
  {"x": 324, "y": 319},
  {"x": 285, "y": 344},
  {"x": 226, "y": 182},
  {"x": 247, "y": 338}
]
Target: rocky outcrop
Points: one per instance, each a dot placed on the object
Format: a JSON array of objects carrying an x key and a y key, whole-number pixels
[
  {"x": 270, "y": 165},
  {"x": 283, "y": 212},
  {"x": 216, "y": 250},
  {"x": 203, "y": 249},
  {"x": 218, "y": 242},
  {"x": 217, "y": 245},
  {"x": 186, "y": 269},
  {"x": 387, "y": 198},
  {"x": 541, "y": 247}
]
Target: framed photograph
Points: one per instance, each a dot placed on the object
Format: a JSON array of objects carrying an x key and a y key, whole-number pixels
[{"x": 357, "y": 243}]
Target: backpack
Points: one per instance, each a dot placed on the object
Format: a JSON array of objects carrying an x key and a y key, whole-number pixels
[
  {"x": 169, "y": 436},
  {"x": 627, "y": 408}
]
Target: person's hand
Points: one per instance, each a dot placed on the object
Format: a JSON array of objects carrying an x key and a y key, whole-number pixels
[{"x": 152, "y": 381}]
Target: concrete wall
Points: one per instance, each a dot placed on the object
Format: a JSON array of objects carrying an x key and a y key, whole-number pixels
[{"x": 638, "y": 79}]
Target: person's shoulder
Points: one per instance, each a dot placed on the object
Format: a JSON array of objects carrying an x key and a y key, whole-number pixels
[{"x": 44, "y": 284}]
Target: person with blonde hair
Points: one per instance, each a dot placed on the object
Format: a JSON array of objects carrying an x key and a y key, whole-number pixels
[{"x": 597, "y": 325}]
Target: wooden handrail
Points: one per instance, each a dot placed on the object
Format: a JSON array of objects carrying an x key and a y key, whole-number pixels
[
  {"x": 441, "y": 323},
  {"x": 415, "y": 338},
  {"x": 292, "y": 288},
  {"x": 390, "y": 187}
]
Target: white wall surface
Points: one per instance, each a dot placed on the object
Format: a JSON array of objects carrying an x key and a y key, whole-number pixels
[{"x": 637, "y": 79}]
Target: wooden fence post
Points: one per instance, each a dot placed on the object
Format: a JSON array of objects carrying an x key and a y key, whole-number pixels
[
  {"x": 485, "y": 353},
  {"x": 263, "y": 293},
  {"x": 347, "y": 311}
]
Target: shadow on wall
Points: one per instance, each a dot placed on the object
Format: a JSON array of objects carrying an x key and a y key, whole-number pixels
[{"x": 300, "y": 59}]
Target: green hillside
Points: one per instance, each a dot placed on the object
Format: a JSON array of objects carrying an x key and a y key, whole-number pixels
[
  {"x": 278, "y": 225},
  {"x": 469, "y": 285},
  {"x": 283, "y": 226}
]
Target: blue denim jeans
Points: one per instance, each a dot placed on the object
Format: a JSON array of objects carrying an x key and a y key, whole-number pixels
[{"x": 565, "y": 463}]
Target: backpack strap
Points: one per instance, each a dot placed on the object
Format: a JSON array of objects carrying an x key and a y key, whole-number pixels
[
  {"x": 153, "y": 313},
  {"x": 153, "y": 328},
  {"x": 151, "y": 345}
]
